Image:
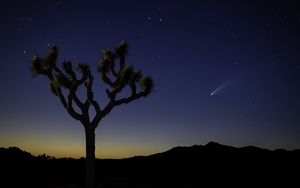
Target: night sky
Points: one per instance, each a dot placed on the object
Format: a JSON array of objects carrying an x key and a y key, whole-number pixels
[{"x": 224, "y": 71}]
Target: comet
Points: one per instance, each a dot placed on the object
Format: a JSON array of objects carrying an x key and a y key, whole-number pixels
[
  {"x": 224, "y": 85},
  {"x": 220, "y": 87}
]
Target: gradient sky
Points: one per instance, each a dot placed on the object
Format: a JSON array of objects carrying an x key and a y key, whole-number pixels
[{"x": 247, "y": 49}]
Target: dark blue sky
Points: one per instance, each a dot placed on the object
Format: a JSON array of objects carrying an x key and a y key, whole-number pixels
[{"x": 244, "y": 52}]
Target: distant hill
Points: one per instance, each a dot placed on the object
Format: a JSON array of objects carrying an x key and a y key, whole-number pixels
[
  {"x": 14, "y": 153},
  {"x": 210, "y": 165},
  {"x": 216, "y": 150}
]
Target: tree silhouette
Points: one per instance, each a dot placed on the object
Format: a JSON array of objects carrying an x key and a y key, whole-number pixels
[{"x": 64, "y": 83}]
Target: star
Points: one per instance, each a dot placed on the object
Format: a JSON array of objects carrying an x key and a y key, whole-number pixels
[{"x": 161, "y": 20}]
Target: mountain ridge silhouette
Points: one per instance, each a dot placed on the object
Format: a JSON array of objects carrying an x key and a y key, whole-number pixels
[
  {"x": 210, "y": 165},
  {"x": 211, "y": 146}
]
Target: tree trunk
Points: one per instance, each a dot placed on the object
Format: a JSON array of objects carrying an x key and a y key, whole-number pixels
[{"x": 90, "y": 157}]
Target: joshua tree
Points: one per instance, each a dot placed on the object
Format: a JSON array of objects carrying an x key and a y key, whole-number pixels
[{"x": 64, "y": 83}]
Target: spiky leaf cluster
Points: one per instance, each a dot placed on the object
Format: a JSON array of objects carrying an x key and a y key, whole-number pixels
[
  {"x": 107, "y": 62},
  {"x": 122, "y": 49},
  {"x": 147, "y": 84},
  {"x": 84, "y": 69},
  {"x": 44, "y": 65}
]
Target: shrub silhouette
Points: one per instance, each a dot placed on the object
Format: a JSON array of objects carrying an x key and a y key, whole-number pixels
[{"x": 64, "y": 83}]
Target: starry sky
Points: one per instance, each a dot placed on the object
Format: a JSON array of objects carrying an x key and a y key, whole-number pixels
[{"x": 224, "y": 71}]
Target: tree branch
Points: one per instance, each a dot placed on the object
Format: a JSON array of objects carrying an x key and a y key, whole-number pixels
[
  {"x": 106, "y": 79},
  {"x": 62, "y": 98},
  {"x": 105, "y": 111},
  {"x": 122, "y": 63},
  {"x": 77, "y": 101},
  {"x": 90, "y": 100},
  {"x": 113, "y": 104},
  {"x": 113, "y": 70},
  {"x": 89, "y": 85},
  {"x": 98, "y": 115},
  {"x": 129, "y": 99},
  {"x": 133, "y": 87},
  {"x": 70, "y": 109},
  {"x": 72, "y": 92}
]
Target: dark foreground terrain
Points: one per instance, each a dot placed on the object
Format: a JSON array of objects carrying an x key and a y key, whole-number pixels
[{"x": 212, "y": 165}]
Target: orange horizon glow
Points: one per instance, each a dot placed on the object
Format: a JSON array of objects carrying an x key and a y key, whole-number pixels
[{"x": 75, "y": 148}]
